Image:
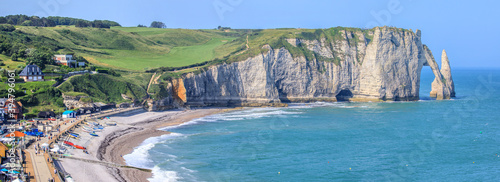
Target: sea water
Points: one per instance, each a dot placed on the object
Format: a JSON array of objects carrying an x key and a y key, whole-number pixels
[{"x": 426, "y": 140}]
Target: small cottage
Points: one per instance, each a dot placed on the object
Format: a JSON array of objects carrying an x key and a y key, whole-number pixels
[
  {"x": 69, "y": 114},
  {"x": 32, "y": 73}
]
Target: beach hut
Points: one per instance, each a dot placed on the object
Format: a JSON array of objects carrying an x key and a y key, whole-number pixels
[
  {"x": 69, "y": 114},
  {"x": 86, "y": 110}
]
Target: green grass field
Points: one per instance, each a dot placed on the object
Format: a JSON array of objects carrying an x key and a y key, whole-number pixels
[
  {"x": 178, "y": 56},
  {"x": 134, "y": 48}
]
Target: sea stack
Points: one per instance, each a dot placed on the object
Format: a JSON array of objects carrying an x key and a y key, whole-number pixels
[
  {"x": 443, "y": 88},
  {"x": 380, "y": 64}
]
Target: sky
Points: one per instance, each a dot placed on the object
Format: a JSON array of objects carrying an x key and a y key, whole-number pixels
[{"x": 466, "y": 29}]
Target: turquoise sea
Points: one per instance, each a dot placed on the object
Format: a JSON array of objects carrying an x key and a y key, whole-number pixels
[{"x": 426, "y": 140}]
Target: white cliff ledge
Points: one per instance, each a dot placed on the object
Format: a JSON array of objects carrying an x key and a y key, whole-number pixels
[{"x": 384, "y": 66}]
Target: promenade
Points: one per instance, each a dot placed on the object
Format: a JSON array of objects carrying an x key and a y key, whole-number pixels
[{"x": 41, "y": 170}]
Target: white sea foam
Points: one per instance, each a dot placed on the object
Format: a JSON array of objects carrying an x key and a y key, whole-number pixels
[
  {"x": 140, "y": 156},
  {"x": 160, "y": 175},
  {"x": 254, "y": 113}
]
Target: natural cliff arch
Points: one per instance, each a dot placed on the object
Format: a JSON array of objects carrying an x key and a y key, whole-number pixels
[
  {"x": 387, "y": 67},
  {"x": 442, "y": 86}
]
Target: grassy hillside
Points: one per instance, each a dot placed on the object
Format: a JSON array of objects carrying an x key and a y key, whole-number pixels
[
  {"x": 129, "y": 48},
  {"x": 8, "y": 63},
  {"x": 36, "y": 96},
  {"x": 103, "y": 88}
]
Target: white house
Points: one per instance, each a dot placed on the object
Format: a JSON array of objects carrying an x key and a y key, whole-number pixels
[{"x": 67, "y": 60}]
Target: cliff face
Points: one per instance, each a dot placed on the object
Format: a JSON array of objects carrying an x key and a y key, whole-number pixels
[
  {"x": 72, "y": 102},
  {"x": 385, "y": 65}
]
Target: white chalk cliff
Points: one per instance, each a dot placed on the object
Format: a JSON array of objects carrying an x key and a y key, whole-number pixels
[{"x": 385, "y": 65}]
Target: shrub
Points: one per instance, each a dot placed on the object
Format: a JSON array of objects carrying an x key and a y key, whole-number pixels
[{"x": 7, "y": 28}]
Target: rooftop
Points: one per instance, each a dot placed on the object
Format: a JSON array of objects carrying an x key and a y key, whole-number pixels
[
  {"x": 67, "y": 112},
  {"x": 31, "y": 70}
]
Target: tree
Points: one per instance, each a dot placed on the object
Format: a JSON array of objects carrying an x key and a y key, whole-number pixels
[
  {"x": 81, "y": 23},
  {"x": 100, "y": 24},
  {"x": 14, "y": 57},
  {"x": 141, "y": 25},
  {"x": 27, "y": 23},
  {"x": 40, "y": 57},
  {"x": 7, "y": 28},
  {"x": 158, "y": 24}
]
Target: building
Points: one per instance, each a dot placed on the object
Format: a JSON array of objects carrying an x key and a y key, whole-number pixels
[
  {"x": 67, "y": 60},
  {"x": 13, "y": 109},
  {"x": 32, "y": 73},
  {"x": 69, "y": 114},
  {"x": 99, "y": 106},
  {"x": 86, "y": 110}
]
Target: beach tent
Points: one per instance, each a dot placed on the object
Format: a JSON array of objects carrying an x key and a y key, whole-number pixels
[
  {"x": 45, "y": 145},
  {"x": 16, "y": 134},
  {"x": 17, "y": 180}
]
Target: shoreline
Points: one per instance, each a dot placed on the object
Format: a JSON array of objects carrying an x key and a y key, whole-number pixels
[{"x": 116, "y": 141}]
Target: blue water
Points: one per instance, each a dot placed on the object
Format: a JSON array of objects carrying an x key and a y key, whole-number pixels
[{"x": 427, "y": 140}]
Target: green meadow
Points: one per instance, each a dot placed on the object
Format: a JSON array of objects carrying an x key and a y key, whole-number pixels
[{"x": 176, "y": 57}]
